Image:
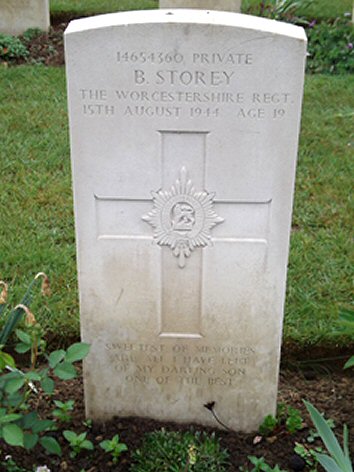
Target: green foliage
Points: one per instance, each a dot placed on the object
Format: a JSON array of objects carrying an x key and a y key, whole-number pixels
[
  {"x": 6, "y": 360},
  {"x": 114, "y": 447},
  {"x": 19, "y": 425},
  {"x": 330, "y": 42},
  {"x": 51, "y": 445},
  {"x": 349, "y": 363},
  {"x": 31, "y": 341},
  {"x": 9, "y": 465},
  {"x": 76, "y": 352},
  {"x": 260, "y": 465},
  {"x": 78, "y": 442},
  {"x": 346, "y": 327},
  {"x": 176, "y": 451},
  {"x": 17, "y": 313},
  {"x": 293, "y": 422},
  {"x": 11, "y": 48},
  {"x": 323, "y": 9},
  {"x": 308, "y": 454},
  {"x": 331, "y": 47},
  {"x": 287, "y": 417},
  {"x": 268, "y": 425},
  {"x": 30, "y": 34},
  {"x": 87, "y": 423},
  {"x": 282, "y": 10},
  {"x": 61, "y": 412},
  {"x": 338, "y": 459},
  {"x": 313, "y": 434}
]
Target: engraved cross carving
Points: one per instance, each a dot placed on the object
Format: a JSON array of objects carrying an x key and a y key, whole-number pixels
[{"x": 185, "y": 219}]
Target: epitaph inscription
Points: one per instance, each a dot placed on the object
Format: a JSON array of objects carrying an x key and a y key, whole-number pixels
[
  {"x": 200, "y": 366},
  {"x": 182, "y": 217}
]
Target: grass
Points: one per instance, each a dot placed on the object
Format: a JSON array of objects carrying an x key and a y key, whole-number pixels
[
  {"x": 320, "y": 271},
  {"x": 318, "y": 8},
  {"x": 91, "y": 7},
  {"x": 36, "y": 219}
]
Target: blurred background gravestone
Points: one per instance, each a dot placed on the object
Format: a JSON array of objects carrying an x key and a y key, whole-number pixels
[
  {"x": 16, "y": 16},
  {"x": 225, "y": 5}
]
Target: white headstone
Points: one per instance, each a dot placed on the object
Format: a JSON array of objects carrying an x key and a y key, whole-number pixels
[
  {"x": 17, "y": 16},
  {"x": 225, "y": 5},
  {"x": 184, "y": 129}
]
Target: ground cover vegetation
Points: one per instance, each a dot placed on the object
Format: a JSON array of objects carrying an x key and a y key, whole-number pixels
[{"x": 37, "y": 231}]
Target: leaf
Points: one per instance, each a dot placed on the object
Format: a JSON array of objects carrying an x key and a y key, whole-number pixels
[
  {"x": 43, "y": 372},
  {"x": 77, "y": 352},
  {"x": 6, "y": 359},
  {"x": 122, "y": 447},
  {"x": 328, "y": 463},
  {"x": 13, "y": 435},
  {"x": 21, "y": 348},
  {"x": 87, "y": 445},
  {"x": 14, "y": 385},
  {"x": 106, "y": 445},
  {"x": 69, "y": 436},
  {"x": 55, "y": 357},
  {"x": 16, "y": 399},
  {"x": 30, "y": 440},
  {"x": 48, "y": 385},
  {"x": 10, "y": 418},
  {"x": 15, "y": 374},
  {"x": 29, "y": 419},
  {"x": 51, "y": 445},
  {"x": 65, "y": 371},
  {"x": 81, "y": 437},
  {"x": 327, "y": 435},
  {"x": 349, "y": 363},
  {"x": 346, "y": 442},
  {"x": 34, "y": 376},
  {"x": 42, "y": 425},
  {"x": 24, "y": 337}
]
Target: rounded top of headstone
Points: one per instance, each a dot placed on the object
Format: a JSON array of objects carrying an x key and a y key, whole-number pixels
[{"x": 186, "y": 16}]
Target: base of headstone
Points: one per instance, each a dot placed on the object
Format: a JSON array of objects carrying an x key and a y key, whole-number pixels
[{"x": 17, "y": 16}]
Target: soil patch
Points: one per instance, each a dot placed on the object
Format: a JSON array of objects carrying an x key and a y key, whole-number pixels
[
  {"x": 46, "y": 48},
  {"x": 330, "y": 392}
]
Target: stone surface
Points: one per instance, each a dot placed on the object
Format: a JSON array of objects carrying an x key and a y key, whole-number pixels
[
  {"x": 226, "y": 5},
  {"x": 16, "y": 16},
  {"x": 184, "y": 129}
]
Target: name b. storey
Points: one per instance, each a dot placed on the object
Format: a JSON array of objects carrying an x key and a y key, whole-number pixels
[{"x": 171, "y": 77}]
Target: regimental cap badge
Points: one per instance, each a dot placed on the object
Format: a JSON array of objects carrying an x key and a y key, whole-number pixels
[{"x": 182, "y": 217}]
